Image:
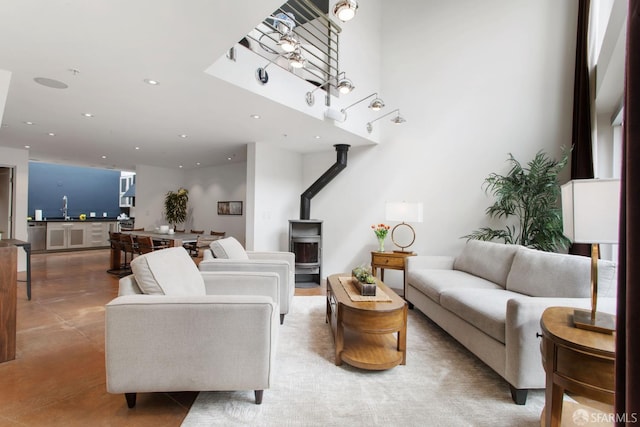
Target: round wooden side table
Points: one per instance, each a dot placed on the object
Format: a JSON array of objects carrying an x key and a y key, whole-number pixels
[{"x": 576, "y": 360}]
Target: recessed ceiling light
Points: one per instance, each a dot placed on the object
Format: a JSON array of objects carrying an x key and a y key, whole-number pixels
[
  {"x": 51, "y": 134},
  {"x": 87, "y": 115},
  {"x": 104, "y": 157},
  {"x": 151, "y": 82},
  {"x": 228, "y": 158},
  {"x": 180, "y": 166},
  {"x": 29, "y": 123},
  {"x": 137, "y": 148},
  {"x": 27, "y": 146},
  {"x": 255, "y": 116},
  {"x": 197, "y": 163},
  {"x": 182, "y": 135},
  {"x": 317, "y": 137}
]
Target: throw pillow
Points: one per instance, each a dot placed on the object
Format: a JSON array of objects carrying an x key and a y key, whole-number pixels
[
  {"x": 228, "y": 248},
  {"x": 168, "y": 271}
]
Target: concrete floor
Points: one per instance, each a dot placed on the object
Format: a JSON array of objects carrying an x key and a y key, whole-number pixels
[{"x": 58, "y": 376}]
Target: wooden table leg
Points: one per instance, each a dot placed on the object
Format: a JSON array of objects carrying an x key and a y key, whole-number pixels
[
  {"x": 402, "y": 337},
  {"x": 339, "y": 336}
]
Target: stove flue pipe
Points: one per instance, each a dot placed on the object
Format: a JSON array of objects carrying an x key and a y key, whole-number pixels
[{"x": 332, "y": 172}]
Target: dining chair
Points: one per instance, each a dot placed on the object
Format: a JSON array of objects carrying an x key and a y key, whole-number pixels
[
  {"x": 145, "y": 244},
  {"x": 197, "y": 231}
]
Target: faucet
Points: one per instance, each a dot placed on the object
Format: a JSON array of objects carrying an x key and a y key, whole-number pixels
[{"x": 64, "y": 209}]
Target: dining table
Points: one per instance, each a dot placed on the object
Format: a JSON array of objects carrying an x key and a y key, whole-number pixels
[{"x": 170, "y": 239}]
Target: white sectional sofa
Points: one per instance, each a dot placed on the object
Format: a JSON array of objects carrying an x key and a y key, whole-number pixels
[{"x": 491, "y": 297}]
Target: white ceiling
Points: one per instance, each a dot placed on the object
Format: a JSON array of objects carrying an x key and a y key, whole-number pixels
[{"x": 115, "y": 45}]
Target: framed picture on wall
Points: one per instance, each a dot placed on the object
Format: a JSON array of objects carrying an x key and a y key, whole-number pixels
[{"x": 230, "y": 208}]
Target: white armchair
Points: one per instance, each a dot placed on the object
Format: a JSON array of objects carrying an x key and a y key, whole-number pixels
[
  {"x": 229, "y": 255},
  {"x": 173, "y": 328}
]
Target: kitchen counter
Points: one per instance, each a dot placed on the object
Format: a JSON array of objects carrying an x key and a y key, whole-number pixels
[{"x": 55, "y": 234}]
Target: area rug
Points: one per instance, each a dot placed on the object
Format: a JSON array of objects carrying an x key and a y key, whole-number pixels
[{"x": 442, "y": 384}]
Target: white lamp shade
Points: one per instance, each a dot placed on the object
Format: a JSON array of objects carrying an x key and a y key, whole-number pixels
[
  {"x": 590, "y": 210},
  {"x": 403, "y": 211}
]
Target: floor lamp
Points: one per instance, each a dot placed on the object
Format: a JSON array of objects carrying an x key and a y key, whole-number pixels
[{"x": 590, "y": 210}]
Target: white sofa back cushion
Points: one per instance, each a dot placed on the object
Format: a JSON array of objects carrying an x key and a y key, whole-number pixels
[
  {"x": 228, "y": 248},
  {"x": 168, "y": 271},
  {"x": 546, "y": 274},
  {"x": 489, "y": 260}
]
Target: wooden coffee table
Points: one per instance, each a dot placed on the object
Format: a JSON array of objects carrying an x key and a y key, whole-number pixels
[{"x": 370, "y": 334}]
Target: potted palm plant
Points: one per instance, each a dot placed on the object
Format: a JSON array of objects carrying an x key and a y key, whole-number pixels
[
  {"x": 175, "y": 206},
  {"x": 530, "y": 194}
]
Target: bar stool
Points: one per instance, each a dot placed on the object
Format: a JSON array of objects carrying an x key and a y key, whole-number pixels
[
  {"x": 129, "y": 249},
  {"x": 117, "y": 248}
]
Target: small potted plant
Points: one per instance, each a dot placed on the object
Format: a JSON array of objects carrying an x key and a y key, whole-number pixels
[{"x": 364, "y": 280}]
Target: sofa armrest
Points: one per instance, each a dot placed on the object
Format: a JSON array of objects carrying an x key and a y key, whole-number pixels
[
  {"x": 289, "y": 257},
  {"x": 429, "y": 262},
  {"x": 207, "y": 254},
  {"x": 240, "y": 283},
  {"x": 280, "y": 267},
  {"x": 524, "y": 364},
  {"x": 209, "y": 342},
  {"x": 128, "y": 286}
]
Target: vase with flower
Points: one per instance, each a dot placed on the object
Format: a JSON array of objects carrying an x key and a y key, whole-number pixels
[{"x": 381, "y": 231}]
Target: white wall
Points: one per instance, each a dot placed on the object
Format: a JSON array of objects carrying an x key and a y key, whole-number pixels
[
  {"x": 152, "y": 184},
  {"x": 475, "y": 81},
  {"x": 275, "y": 183},
  {"x": 208, "y": 186},
  {"x": 18, "y": 159}
]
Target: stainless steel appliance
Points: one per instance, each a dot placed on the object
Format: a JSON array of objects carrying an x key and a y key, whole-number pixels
[{"x": 37, "y": 235}]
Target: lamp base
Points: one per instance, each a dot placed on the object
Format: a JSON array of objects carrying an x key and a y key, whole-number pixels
[{"x": 603, "y": 323}]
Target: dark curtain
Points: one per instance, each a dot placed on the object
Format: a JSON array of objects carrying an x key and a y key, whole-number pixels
[
  {"x": 581, "y": 155},
  {"x": 627, "y": 399}
]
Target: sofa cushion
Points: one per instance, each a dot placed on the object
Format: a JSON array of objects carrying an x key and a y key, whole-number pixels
[
  {"x": 546, "y": 274},
  {"x": 486, "y": 309},
  {"x": 488, "y": 260},
  {"x": 433, "y": 282},
  {"x": 168, "y": 271},
  {"x": 228, "y": 248}
]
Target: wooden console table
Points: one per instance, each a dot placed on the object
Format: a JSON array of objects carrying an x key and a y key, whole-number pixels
[
  {"x": 577, "y": 360},
  {"x": 8, "y": 295}
]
